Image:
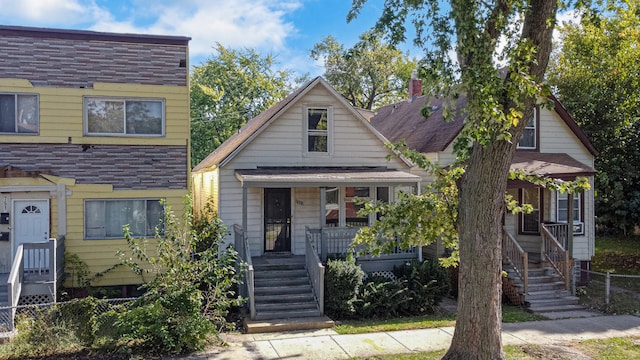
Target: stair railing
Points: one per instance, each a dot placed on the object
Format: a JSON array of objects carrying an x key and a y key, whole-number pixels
[
  {"x": 518, "y": 258},
  {"x": 316, "y": 272},
  {"x": 244, "y": 252},
  {"x": 552, "y": 252},
  {"x": 14, "y": 283}
]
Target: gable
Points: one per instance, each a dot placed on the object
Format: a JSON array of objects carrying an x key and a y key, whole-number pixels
[{"x": 282, "y": 143}]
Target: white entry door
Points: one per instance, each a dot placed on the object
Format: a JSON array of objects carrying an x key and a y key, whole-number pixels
[{"x": 30, "y": 225}]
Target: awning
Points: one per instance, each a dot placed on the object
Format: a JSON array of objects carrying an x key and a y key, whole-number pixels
[
  {"x": 317, "y": 177},
  {"x": 559, "y": 166}
]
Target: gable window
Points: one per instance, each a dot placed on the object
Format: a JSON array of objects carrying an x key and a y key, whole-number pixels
[
  {"x": 341, "y": 205},
  {"x": 19, "y": 114},
  {"x": 129, "y": 117},
  {"x": 562, "y": 211},
  {"x": 104, "y": 219},
  {"x": 318, "y": 137},
  {"x": 528, "y": 141},
  {"x": 530, "y": 223}
]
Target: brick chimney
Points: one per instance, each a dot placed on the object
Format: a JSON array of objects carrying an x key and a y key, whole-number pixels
[{"x": 415, "y": 86}]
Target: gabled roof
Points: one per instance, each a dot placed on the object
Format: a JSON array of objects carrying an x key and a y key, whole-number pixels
[
  {"x": 404, "y": 121},
  {"x": 227, "y": 150}
]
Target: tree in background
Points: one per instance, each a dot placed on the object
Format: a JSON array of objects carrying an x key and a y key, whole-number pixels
[
  {"x": 370, "y": 74},
  {"x": 482, "y": 33},
  {"x": 597, "y": 77},
  {"x": 227, "y": 90}
]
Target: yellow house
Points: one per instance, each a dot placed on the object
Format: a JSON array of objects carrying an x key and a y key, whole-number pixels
[{"x": 94, "y": 131}]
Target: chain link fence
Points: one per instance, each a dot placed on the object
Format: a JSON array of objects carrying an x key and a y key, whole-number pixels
[
  {"x": 611, "y": 293},
  {"x": 55, "y": 312}
]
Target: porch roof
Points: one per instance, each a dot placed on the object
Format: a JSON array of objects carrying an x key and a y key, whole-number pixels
[
  {"x": 557, "y": 165},
  {"x": 314, "y": 177}
]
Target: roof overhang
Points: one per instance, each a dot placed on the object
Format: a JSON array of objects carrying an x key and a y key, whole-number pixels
[
  {"x": 557, "y": 166},
  {"x": 318, "y": 177}
]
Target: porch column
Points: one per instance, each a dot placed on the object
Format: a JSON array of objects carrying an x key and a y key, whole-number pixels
[
  {"x": 61, "y": 195},
  {"x": 437, "y": 241},
  {"x": 244, "y": 210},
  {"x": 570, "y": 224}
]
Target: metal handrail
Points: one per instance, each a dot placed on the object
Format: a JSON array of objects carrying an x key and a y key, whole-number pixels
[
  {"x": 242, "y": 246},
  {"x": 316, "y": 273},
  {"x": 518, "y": 258},
  {"x": 552, "y": 251}
]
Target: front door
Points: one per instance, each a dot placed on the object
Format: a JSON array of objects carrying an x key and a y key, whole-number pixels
[
  {"x": 277, "y": 220},
  {"x": 30, "y": 225}
]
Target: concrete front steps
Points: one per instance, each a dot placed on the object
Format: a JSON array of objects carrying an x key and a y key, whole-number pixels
[
  {"x": 284, "y": 297},
  {"x": 547, "y": 294}
]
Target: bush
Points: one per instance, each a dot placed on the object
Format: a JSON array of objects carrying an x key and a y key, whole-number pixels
[
  {"x": 381, "y": 297},
  {"x": 427, "y": 283},
  {"x": 343, "y": 279}
]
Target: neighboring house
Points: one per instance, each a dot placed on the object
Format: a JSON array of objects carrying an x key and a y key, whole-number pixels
[
  {"x": 94, "y": 131},
  {"x": 552, "y": 145},
  {"x": 287, "y": 183}
]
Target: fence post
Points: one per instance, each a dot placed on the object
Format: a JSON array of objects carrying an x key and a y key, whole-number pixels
[{"x": 607, "y": 286}]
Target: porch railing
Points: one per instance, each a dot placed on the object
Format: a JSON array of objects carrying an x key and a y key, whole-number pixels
[
  {"x": 14, "y": 284},
  {"x": 559, "y": 231},
  {"x": 553, "y": 252},
  {"x": 518, "y": 258},
  {"x": 244, "y": 252},
  {"x": 316, "y": 272}
]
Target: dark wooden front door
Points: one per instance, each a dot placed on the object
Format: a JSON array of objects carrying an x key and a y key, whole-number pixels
[{"x": 277, "y": 220}]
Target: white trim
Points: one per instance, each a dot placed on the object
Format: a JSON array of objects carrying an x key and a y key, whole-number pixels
[
  {"x": 85, "y": 115},
  {"x": 14, "y": 212},
  {"x": 307, "y": 132},
  {"x": 22, "y": 188},
  {"x": 534, "y": 117},
  {"x": 105, "y": 200}
]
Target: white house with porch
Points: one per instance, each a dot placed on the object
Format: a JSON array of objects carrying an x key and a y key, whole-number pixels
[{"x": 287, "y": 184}]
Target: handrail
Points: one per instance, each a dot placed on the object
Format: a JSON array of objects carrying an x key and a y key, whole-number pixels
[
  {"x": 242, "y": 246},
  {"x": 553, "y": 252},
  {"x": 14, "y": 283},
  {"x": 560, "y": 231},
  {"x": 518, "y": 258},
  {"x": 316, "y": 273}
]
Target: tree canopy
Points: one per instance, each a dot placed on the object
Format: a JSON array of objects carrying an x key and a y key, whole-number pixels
[
  {"x": 482, "y": 35},
  {"x": 370, "y": 74},
  {"x": 227, "y": 90},
  {"x": 596, "y": 75}
]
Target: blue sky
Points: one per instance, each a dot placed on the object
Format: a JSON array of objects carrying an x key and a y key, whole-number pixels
[{"x": 287, "y": 29}]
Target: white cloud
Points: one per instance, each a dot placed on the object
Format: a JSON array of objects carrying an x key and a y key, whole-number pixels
[{"x": 48, "y": 12}]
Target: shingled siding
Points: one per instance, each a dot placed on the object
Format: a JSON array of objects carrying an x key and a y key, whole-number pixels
[
  {"x": 80, "y": 63},
  {"x": 126, "y": 167}
]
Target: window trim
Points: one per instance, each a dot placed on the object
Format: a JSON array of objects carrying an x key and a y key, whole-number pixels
[
  {"x": 343, "y": 199},
  {"x": 84, "y": 216},
  {"x": 85, "y": 116},
  {"x": 540, "y": 209},
  {"x": 307, "y": 132},
  {"x": 536, "y": 132},
  {"x": 580, "y": 220},
  {"x": 15, "y": 124}
]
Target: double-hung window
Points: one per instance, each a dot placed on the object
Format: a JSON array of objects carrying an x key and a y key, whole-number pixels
[
  {"x": 318, "y": 130},
  {"x": 530, "y": 223},
  {"x": 342, "y": 204},
  {"x": 528, "y": 141},
  {"x": 19, "y": 114},
  {"x": 562, "y": 211},
  {"x": 104, "y": 218},
  {"x": 124, "y": 117}
]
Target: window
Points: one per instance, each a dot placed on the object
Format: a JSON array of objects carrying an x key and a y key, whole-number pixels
[
  {"x": 318, "y": 124},
  {"x": 124, "y": 117},
  {"x": 19, "y": 114},
  {"x": 562, "y": 213},
  {"x": 530, "y": 223},
  {"x": 341, "y": 205},
  {"x": 104, "y": 219},
  {"x": 528, "y": 139}
]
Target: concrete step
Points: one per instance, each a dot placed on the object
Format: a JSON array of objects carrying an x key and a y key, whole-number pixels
[
  {"x": 555, "y": 308},
  {"x": 549, "y": 286},
  {"x": 269, "y": 282},
  {"x": 279, "y": 306},
  {"x": 279, "y": 298},
  {"x": 279, "y": 274},
  {"x": 287, "y": 314},
  {"x": 294, "y": 324},
  {"x": 568, "y": 299},
  {"x": 546, "y": 294}
]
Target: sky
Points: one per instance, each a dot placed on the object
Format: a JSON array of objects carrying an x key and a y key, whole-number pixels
[{"x": 287, "y": 29}]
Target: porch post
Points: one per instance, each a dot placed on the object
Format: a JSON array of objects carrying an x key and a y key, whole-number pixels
[
  {"x": 61, "y": 195},
  {"x": 570, "y": 242},
  {"x": 437, "y": 241},
  {"x": 244, "y": 210}
]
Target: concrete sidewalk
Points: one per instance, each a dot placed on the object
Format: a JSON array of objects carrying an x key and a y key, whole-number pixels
[{"x": 327, "y": 344}]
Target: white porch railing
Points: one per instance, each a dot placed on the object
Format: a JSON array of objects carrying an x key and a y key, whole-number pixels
[
  {"x": 518, "y": 258},
  {"x": 244, "y": 252},
  {"x": 553, "y": 252},
  {"x": 316, "y": 273}
]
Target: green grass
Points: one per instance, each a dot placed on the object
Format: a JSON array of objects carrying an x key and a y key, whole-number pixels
[
  {"x": 622, "y": 244},
  {"x": 603, "y": 349},
  {"x": 619, "y": 255},
  {"x": 510, "y": 314}
]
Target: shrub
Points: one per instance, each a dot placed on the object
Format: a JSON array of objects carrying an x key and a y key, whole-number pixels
[
  {"x": 381, "y": 297},
  {"x": 343, "y": 279},
  {"x": 427, "y": 283}
]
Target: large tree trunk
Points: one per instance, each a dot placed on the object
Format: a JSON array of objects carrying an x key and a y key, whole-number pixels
[{"x": 481, "y": 208}]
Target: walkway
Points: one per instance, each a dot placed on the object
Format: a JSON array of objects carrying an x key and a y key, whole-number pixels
[{"x": 327, "y": 344}]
